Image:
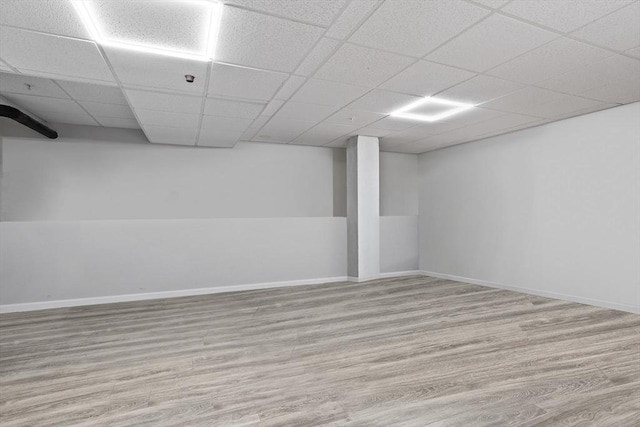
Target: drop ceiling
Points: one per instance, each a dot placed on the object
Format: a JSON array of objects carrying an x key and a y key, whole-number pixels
[{"x": 317, "y": 72}]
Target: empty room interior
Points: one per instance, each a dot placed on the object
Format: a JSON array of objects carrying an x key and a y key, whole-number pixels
[{"x": 320, "y": 213}]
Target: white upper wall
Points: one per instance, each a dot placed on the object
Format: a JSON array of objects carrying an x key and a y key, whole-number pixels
[
  {"x": 554, "y": 209},
  {"x": 93, "y": 175},
  {"x": 81, "y": 180}
]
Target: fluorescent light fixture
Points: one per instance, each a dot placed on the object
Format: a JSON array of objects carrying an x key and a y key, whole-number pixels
[
  {"x": 456, "y": 107},
  {"x": 94, "y": 27}
]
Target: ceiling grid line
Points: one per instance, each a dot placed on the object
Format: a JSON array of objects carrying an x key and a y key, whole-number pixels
[
  {"x": 342, "y": 42},
  {"x": 272, "y": 91}
]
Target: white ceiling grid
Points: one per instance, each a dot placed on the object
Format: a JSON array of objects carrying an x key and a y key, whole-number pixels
[{"x": 316, "y": 72}]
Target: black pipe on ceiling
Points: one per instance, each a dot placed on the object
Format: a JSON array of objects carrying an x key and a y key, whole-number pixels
[{"x": 26, "y": 120}]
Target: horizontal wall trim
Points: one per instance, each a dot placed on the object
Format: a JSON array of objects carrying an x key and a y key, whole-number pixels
[
  {"x": 44, "y": 305},
  {"x": 556, "y": 295}
]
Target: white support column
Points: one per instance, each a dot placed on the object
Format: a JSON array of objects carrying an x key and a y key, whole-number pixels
[{"x": 363, "y": 207}]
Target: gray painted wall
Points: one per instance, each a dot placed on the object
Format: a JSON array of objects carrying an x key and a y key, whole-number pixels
[
  {"x": 554, "y": 209},
  {"x": 75, "y": 180},
  {"x": 398, "y": 184},
  {"x": 398, "y": 243}
]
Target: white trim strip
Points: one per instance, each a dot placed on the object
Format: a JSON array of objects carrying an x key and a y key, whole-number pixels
[
  {"x": 556, "y": 295},
  {"x": 43, "y": 305}
]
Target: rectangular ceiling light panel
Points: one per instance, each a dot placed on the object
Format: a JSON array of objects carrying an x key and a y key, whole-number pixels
[
  {"x": 431, "y": 109},
  {"x": 180, "y": 28}
]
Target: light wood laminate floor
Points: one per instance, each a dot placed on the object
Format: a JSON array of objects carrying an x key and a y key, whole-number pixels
[{"x": 413, "y": 351}]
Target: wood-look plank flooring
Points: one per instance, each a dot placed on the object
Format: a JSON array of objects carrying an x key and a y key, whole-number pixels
[{"x": 413, "y": 351}]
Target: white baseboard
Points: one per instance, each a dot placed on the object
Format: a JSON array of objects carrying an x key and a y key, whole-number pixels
[
  {"x": 385, "y": 275},
  {"x": 44, "y": 305},
  {"x": 400, "y": 274},
  {"x": 556, "y": 295}
]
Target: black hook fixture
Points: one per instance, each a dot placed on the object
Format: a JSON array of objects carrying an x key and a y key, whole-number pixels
[{"x": 24, "y": 119}]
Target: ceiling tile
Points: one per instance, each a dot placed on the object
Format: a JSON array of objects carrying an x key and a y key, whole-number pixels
[
  {"x": 618, "y": 31},
  {"x": 340, "y": 142},
  {"x": 172, "y": 25},
  {"x": 350, "y": 18},
  {"x": 412, "y": 134},
  {"x": 93, "y": 92},
  {"x": 141, "y": 99},
  {"x": 322, "y": 134},
  {"x": 54, "y": 110},
  {"x": 619, "y": 91},
  {"x": 496, "y": 124},
  {"x": 439, "y": 141},
  {"x": 166, "y": 119},
  {"x": 606, "y": 71},
  {"x": 108, "y": 110},
  {"x": 480, "y": 89},
  {"x": 157, "y": 71},
  {"x": 565, "y": 15},
  {"x": 282, "y": 129},
  {"x": 505, "y": 37},
  {"x": 394, "y": 124},
  {"x": 539, "y": 102},
  {"x": 566, "y": 104},
  {"x": 226, "y": 108},
  {"x": 260, "y": 121},
  {"x": 573, "y": 82},
  {"x": 382, "y": 101},
  {"x": 425, "y": 78},
  {"x": 27, "y": 85},
  {"x": 325, "y": 92},
  {"x": 69, "y": 117},
  {"x": 314, "y": 12},
  {"x": 248, "y": 134},
  {"x": 395, "y": 140},
  {"x": 423, "y": 130},
  {"x": 41, "y": 104},
  {"x": 217, "y": 138},
  {"x": 273, "y": 106},
  {"x": 298, "y": 111},
  {"x": 247, "y": 83},
  {"x": 289, "y": 87},
  {"x": 410, "y": 148},
  {"x": 354, "y": 117},
  {"x": 47, "y": 16},
  {"x": 523, "y": 100},
  {"x": 550, "y": 60},
  {"x": 592, "y": 109},
  {"x": 5, "y": 67},
  {"x": 112, "y": 122},
  {"x": 495, "y": 4},
  {"x": 225, "y": 124},
  {"x": 367, "y": 131},
  {"x": 617, "y": 67},
  {"x": 316, "y": 57},
  {"x": 171, "y": 135},
  {"x": 361, "y": 66},
  {"x": 634, "y": 52},
  {"x": 52, "y": 55},
  {"x": 415, "y": 27},
  {"x": 473, "y": 115},
  {"x": 281, "y": 46}
]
